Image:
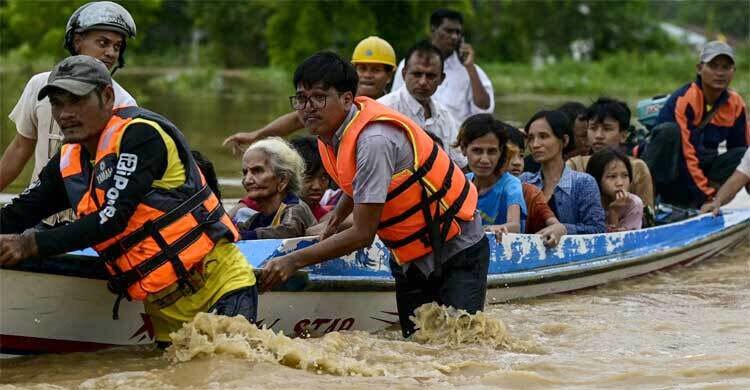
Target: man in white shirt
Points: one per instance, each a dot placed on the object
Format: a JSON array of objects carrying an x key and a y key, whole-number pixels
[
  {"x": 466, "y": 90},
  {"x": 423, "y": 74},
  {"x": 98, "y": 29}
]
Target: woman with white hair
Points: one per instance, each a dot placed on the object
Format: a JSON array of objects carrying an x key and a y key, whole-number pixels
[{"x": 272, "y": 176}]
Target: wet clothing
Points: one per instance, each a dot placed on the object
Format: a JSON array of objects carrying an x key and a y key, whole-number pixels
[
  {"x": 33, "y": 120},
  {"x": 290, "y": 220},
  {"x": 455, "y": 91},
  {"x": 462, "y": 284},
  {"x": 229, "y": 289},
  {"x": 538, "y": 209},
  {"x": 697, "y": 161},
  {"x": 641, "y": 183},
  {"x": 493, "y": 205},
  {"x": 577, "y": 201},
  {"x": 442, "y": 123}
]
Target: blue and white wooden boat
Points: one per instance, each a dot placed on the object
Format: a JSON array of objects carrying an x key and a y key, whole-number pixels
[{"x": 62, "y": 304}]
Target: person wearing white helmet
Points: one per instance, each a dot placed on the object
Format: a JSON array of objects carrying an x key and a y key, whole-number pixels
[{"x": 97, "y": 29}]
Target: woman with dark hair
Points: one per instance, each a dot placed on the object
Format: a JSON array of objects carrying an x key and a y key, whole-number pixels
[
  {"x": 575, "y": 112},
  {"x": 572, "y": 196},
  {"x": 612, "y": 170},
  {"x": 483, "y": 140}
]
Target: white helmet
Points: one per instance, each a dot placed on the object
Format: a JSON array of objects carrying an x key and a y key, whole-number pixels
[{"x": 100, "y": 15}]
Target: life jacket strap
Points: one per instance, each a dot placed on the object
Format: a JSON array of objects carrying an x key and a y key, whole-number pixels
[{"x": 126, "y": 243}]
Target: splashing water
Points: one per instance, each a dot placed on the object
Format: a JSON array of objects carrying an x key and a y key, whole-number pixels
[{"x": 210, "y": 334}]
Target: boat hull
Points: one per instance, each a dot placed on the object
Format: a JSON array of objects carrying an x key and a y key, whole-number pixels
[{"x": 62, "y": 305}]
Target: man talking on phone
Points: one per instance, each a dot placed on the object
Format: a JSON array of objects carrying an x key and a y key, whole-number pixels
[{"x": 466, "y": 90}]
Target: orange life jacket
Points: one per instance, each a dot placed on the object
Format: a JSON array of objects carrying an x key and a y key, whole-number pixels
[
  {"x": 424, "y": 202},
  {"x": 170, "y": 232}
]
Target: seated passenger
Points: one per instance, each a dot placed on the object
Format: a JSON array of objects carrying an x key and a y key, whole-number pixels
[
  {"x": 272, "y": 175},
  {"x": 683, "y": 153},
  {"x": 612, "y": 170},
  {"x": 608, "y": 125},
  {"x": 483, "y": 140},
  {"x": 572, "y": 196},
  {"x": 540, "y": 218},
  {"x": 575, "y": 112},
  {"x": 315, "y": 181},
  {"x": 740, "y": 178}
]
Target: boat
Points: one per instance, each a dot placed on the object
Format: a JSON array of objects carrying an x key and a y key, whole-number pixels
[{"x": 61, "y": 304}]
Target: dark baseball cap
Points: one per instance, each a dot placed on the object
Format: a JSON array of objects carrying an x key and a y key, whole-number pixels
[
  {"x": 78, "y": 75},
  {"x": 714, "y": 49}
]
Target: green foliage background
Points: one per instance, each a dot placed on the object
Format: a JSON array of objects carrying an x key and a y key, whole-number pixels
[{"x": 235, "y": 34}]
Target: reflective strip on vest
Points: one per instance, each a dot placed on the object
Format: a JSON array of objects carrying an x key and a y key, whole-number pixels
[{"x": 424, "y": 203}]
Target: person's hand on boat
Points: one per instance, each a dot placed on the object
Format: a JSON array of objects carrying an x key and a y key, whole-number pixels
[
  {"x": 497, "y": 230},
  {"x": 17, "y": 247},
  {"x": 276, "y": 271},
  {"x": 713, "y": 207},
  {"x": 552, "y": 234},
  {"x": 238, "y": 141}
]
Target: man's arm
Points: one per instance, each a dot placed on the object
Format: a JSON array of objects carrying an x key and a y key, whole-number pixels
[
  {"x": 480, "y": 92},
  {"x": 279, "y": 127},
  {"x": 16, "y": 155},
  {"x": 142, "y": 147},
  {"x": 43, "y": 198},
  {"x": 727, "y": 192},
  {"x": 360, "y": 235}
]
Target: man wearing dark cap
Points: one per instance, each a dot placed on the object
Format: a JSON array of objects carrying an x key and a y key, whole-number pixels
[
  {"x": 683, "y": 154},
  {"x": 141, "y": 202}
]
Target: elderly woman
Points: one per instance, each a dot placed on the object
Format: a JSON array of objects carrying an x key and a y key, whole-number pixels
[{"x": 272, "y": 176}]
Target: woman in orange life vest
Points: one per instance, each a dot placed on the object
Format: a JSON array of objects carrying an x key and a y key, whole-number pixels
[
  {"x": 375, "y": 62},
  {"x": 143, "y": 205},
  {"x": 397, "y": 183}
]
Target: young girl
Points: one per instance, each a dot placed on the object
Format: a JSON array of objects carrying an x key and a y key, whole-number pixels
[
  {"x": 483, "y": 140},
  {"x": 612, "y": 170}
]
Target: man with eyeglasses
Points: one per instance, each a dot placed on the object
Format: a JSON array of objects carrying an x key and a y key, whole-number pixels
[
  {"x": 683, "y": 154},
  {"x": 398, "y": 184},
  {"x": 466, "y": 90}
]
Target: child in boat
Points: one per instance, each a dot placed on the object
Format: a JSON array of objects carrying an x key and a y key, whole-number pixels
[
  {"x": 612, "y": 170},
  {"x": 315, "y": 181},
  {"x": 483, "y": 140},
  {"x": 272, "y": 175}
]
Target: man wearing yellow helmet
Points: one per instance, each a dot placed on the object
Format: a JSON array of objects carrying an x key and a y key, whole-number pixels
[{"x": 375, "y": 61}]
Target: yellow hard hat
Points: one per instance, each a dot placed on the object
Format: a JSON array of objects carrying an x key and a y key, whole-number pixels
[{"x": 374, "y": 50}]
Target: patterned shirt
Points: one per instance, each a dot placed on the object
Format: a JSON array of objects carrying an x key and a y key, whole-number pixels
[{"x": 578, "y": 202}]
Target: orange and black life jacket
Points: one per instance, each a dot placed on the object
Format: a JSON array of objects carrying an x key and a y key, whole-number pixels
[
  {"x": 170, "y": 231},
  {"x": 424, "y": 202}
]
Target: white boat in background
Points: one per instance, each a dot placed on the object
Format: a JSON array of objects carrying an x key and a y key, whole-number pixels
[{"x": 61, "y": 304}]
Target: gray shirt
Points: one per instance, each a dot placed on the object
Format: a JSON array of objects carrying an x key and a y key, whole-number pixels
[{"x": 382, "y": 151}]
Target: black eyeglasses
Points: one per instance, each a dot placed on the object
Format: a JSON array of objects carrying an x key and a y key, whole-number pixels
[{"x": 299, "y": 102}]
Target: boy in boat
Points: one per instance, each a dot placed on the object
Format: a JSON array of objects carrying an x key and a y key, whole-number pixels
[
  {"x": 397, "y": 183},
  {"x": 141, "y": 202}
]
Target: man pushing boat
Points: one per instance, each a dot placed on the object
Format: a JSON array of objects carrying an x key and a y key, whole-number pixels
[
  {"x": 141, "y": 201},
  {"x": 399, "y": 185}
]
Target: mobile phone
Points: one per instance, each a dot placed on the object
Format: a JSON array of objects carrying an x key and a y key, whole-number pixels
[{"x": 462, "y": 54}]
